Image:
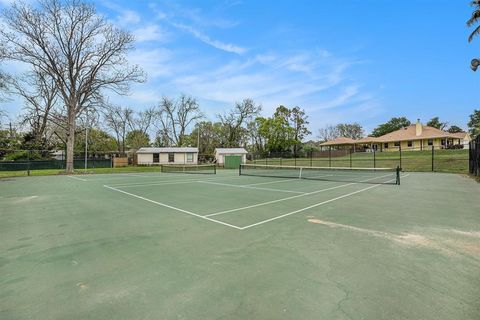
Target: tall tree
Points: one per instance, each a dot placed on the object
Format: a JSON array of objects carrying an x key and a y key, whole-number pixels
[
  {"x": 390, "y": 126},
  {"x": 299, "y": 123},
  {"x": 175, "y": 117},
  {"x": 436, "y": 123},
  {"x": 474, "y": 123},
  {"x": 454, "y": 129},
  {"x": 118, "y": 119},
  {"x": 137, "y": 139},
  {"x": 329, "y": 132},
  {"x": 40, "y": 95},
  {"x": 235, "y": 121},
  {"x": 277, "y": 133},
  {"x": 78, "y": 48},
  {"x": 350, "y": 130},
  {"x": 99, "y": 141}
]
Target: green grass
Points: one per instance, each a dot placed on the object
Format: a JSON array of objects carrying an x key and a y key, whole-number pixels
[{"x": 453, "y": 161}]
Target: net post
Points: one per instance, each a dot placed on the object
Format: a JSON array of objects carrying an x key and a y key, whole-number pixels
[
  {"x": 300, "y": 173},
  {"x": 240, "y": 169},
  {"x": 398, "y": 175},
  {"x": 215, "y": 169}
]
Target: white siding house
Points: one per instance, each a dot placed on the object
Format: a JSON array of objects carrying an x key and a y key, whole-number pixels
[
  {"x": 220, "y": 154},
  {"x": 173, "y": 155}
]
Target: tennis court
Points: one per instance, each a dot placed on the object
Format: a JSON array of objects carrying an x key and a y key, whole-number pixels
[{"x": 336, "y": 244}]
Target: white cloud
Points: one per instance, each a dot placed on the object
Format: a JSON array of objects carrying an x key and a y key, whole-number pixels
[
  {"x": 212, "y": 42},
  {"x": 155, "y": 62},
  {"x": 150, "y": 32}
]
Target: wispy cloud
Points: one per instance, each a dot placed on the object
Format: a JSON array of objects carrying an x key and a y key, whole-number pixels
[
  {"x": 151, "y": 32},
  {"x": 212, "y": 42}
]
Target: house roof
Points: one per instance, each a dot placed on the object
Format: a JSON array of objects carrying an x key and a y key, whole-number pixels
[
  {"x": 368, "y": 140},
  {"x": 409, "y": 133},
  {"x": 167, "y": 150},
  {"x": 462, "y": 135},
  {"x": 231, "y": 150},
  {"x": 338, "y": 141}
]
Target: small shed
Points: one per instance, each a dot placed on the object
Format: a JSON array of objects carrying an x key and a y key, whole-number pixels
[
  {"x": 231, "y": 158},
  {"x": 170, "y": 155}
]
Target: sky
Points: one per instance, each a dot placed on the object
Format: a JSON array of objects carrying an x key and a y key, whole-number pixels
[{"x": 342, "y": 61}]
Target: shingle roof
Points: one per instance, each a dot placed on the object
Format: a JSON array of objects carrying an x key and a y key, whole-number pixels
[
  {"x": 409, "y": 133},
  {"x": 166, "y": 150},
  {"x": 338, "y": 141},
  {"x": 231, "y": 150}
]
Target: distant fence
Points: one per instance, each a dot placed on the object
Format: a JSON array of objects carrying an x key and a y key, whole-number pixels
[
  {"x": 27, "y": 160},
  {"x": 474, "y": 158},
  {"x": 427, "y": 160}
]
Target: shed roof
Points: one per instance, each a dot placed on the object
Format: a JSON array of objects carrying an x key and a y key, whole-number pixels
[
  {"x": 167, "y": 150},
  {"x": 231, "y": 150}
]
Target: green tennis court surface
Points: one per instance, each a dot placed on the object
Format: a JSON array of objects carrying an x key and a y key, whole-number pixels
[{"x": 224, "y": 246}]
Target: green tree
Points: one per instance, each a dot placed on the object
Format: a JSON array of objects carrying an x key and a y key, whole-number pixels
[
  {"x": 137, "y": 139},
  {"x": 277, "y": 133},
  {"x": 393, "y": 124},
  {"x": 350, "y": 130},
  {"x": 474, "y": 123},
  {"x": 454, "y": 129},
  {"x": 99, "y": 141},
  {"x": 299, "y": 122},
  {"x": 436, "y": 123}
]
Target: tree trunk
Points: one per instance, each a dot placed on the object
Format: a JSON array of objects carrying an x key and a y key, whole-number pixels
[{"x": 70, "y": 139}]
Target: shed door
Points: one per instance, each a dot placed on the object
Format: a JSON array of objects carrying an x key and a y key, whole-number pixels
[{"x": 232, "y": 162}]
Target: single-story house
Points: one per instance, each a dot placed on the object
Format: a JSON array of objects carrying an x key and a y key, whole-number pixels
[
  {"x": 339, "y": 143},
  {"x": 170, "y": 155},
  {"x": 413, "y": 137},
  {"x": 231, "y": 157}
]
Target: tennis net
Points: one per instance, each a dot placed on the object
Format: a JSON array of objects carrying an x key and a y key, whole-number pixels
[
  {"x": 340, "y": 174},
  {"x": 199, "y": 168}
]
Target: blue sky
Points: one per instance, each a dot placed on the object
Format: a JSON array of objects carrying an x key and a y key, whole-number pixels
[{"x": 342, "y": 61}]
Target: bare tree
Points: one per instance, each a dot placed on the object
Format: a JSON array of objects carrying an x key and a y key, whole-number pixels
[
  {"x": 78, "y": 48},
  {"x": 235, "y": 120},
  {"x": 40, "y": 95},
  {"x": 175, "y": 117},
  {"x": 118, "y": 119},
  {"x": 143, "y": 120},
  {"x": 329, "y": 132}
]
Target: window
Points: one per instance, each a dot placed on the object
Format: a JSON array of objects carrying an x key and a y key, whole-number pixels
[
  {"x": 156, "y": 157},
  {"x": 430, "y": 142},
  {"x": 189, "y": 157},
  {"x": 410, "y": 143},
  {"x": 396, "y": 143},
  {"x": 443, "y": 142},
  {"x": 385, "y": 145},
  {"x": 171, "y": 157}
]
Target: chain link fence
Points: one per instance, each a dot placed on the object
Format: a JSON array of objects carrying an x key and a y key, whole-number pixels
[{"x": 429, "y": 159}]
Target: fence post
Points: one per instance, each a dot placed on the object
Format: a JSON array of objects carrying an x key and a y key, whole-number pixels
[
  {"x": 311, "y": 158},
  {"x": 330, "y": 156},
  {"x": 28, "y": 162},
  {"x": 400, "y": 149},
  {"x": 281, "y": 161},
  {"x": 351, "y": 151},
  {"x": 295, "y": 159},
  {"x": 374, "y": 159},
  {"x": 433, "y": 158}
]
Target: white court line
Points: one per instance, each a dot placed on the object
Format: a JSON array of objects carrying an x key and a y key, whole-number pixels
[
  {"x": 77, "y": 178},
  {"x": 249, "y": 187},
  {"x": 316, "y": 205},
  {"x": 172, "y": 207},
  {"x": 288, "y": 198},
  {"x": 161, "y": 183}
]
